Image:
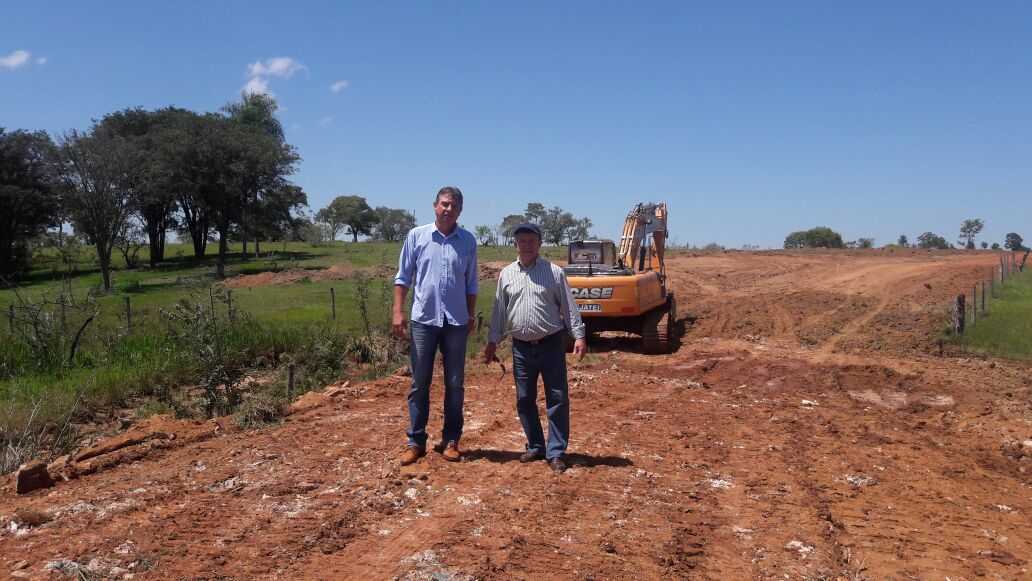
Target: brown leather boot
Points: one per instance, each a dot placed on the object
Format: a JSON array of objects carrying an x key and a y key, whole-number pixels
[
  {"x": 451, "y": 451},
  {"x": 412, "y": 453}
]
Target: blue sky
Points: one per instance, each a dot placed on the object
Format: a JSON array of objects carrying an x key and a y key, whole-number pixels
[{"x": 751, "y": 119}]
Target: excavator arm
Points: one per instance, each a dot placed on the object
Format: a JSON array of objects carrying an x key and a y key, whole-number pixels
[{"x": 645, "y": 224}]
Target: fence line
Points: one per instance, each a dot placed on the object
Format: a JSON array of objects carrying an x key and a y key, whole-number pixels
[{"x": 1008, "y": 267}]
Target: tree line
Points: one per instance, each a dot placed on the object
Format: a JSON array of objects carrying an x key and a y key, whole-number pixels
[
  {"x": 557, "y": 226},
  {"x": 824, "y": 237},
  {"x": 136, "y": 174}
]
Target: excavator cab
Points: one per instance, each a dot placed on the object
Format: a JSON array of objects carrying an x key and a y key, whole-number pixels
[
  {"x": 624, "y": 288},
  {"x": 591, "y": 257}
]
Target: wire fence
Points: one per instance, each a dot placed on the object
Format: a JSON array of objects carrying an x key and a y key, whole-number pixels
[{"x": 964, "y": 312}]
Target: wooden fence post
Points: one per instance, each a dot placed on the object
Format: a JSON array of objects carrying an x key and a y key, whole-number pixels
[
  {"x": 992, "y": 282},
  {"x": 974, "y": 303},
  {"x": 10, "y": 317},
  {"x": 958, "y": 319},
  {"x": 480, "y": 320},
  {"x": 333, "y": 304},
  {"x": 1003, "y": 270},
  {"x": 64, "y": 315},
  {"x": 983, "y": 297},
  {"x": 128, "y": 314}
]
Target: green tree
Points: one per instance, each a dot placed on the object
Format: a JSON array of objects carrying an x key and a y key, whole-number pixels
[
  {"x": 932, "y": 241},
  {"x": 819, "y": 237},
  {"x": 258, "y": 111},
  {"x": 535, "y": 212},
  {"x": 27, "y": 195},
  {"x": 154, "y": 205},
  {"x": 350, "y": 212},
  {"x": 485, "y": 234},
  {"x": 219, "y": 167},
  {"x": 865, "y": 242},
  {"x": 903, "y": 242},
  {"x": 393, "y": 224},
  {"x": 97, "y": 171},
  {"x": 1012, "y": 241},
  {"x": 559, "y": 226},
  {"x": 508, "y": 226},
  {"x": 968, "y": 230}
]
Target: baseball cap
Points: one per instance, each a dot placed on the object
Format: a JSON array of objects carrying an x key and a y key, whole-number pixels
[{"x": 528, "y": 227}]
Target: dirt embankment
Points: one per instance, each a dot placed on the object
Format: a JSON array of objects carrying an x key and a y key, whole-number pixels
[{"x": 806, "y": 428}]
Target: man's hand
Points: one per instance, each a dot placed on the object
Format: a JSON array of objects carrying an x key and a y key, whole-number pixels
[
  {"x": 470, "y": 326},
  {"x": 398, "y": 324},
  {"x": 489, "y": 353},
  {"x": 580, "y": 346}
]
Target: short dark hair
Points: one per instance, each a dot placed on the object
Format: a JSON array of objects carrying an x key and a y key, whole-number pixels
[{"x": 450, "y": 191}]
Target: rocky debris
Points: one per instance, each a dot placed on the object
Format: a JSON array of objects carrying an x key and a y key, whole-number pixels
[
  {"x": 1002, "y": 557},
  {"x": 96, "y": 568},
  {"x": 117, "y": 443},
  {"x": 800, "y": 547},
  {"x": 335, "y": 389},
  {"x": 308, "y": 401},
  {"x": 860, "y": 480},
  {"x": 29, "y": 517},
  {"x": 31, "y": 476}
]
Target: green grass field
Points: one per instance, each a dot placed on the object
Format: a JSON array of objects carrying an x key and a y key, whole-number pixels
[
  {"x": 1007, "y": 330},
  {"x": 143, "y": 364}
]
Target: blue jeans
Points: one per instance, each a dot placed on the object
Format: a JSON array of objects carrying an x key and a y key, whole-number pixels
[
  {"x": 546, "y": 358},
  {"x": 426, "y": 341}
]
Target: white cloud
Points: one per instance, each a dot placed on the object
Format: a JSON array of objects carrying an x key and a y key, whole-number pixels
[
  {"x": 42, "y": 60},
  {"x": 281, "y": 66},
  {"x": 339, "y": 86},
  {"x": 257, "y": 86},
  {"x": 15, "y": 59},
  {"x": 324, "y": 121}
]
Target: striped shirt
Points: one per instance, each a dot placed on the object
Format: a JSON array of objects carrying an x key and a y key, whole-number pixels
[
  {"x": 532, "y": 303},
  {"x": 442, "y": 271}
]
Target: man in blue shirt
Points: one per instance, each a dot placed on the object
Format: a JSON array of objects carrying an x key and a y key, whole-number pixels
[{"x": 439, "y": 263}]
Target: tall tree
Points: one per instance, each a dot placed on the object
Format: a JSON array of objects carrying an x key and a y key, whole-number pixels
[
  {"x": 154, "y": 205},
  {"x": 932, "y": 241},
  {"x": 351, "y": 213},
  {"x": 968, "y": 230},
  {"x": 1012, "y": 241},
  {"x": 508, "y": 226},
  {"x": 819, "y": 237},
  {"x": 535, "y": 212},
  {"x": 903, "y": 242},
  {"x": 485, "y": 234},
  {"x": 27, "y": 196},
  {"x": 393, "y": 224},
  {"x": 97, "y": 171},
  {"x": 559, "y": 226},
  {"x": 257, "y": 111}
]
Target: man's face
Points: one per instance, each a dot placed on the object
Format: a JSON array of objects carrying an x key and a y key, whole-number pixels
[
  {"x": 446, "y": 212},
  {"x": 527, "y": 244}
]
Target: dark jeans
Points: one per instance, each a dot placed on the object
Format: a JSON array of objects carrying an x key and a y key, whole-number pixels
[
  {"x": 546, "y": 358},
  {"x": 426, "y": 341}
]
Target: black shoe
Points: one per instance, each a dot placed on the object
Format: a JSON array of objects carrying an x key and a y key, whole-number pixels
[
  {"x": 557, "y": 464},
  {"x": 531, "y": 455}
]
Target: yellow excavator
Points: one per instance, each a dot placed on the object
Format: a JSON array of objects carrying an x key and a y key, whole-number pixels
[{"x": 625, "y": 289}]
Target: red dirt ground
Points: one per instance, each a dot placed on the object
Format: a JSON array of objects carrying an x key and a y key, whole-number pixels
[{"x": 807, "y": 428}]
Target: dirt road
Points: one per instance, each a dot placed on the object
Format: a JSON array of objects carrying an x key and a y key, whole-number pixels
[{"x": 807, "y": 428}]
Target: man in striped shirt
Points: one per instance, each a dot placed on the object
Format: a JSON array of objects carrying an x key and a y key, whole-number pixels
[{"x": 534, "y": 304}]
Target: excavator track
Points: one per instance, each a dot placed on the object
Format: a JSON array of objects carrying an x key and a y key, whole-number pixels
[{"x": 657, "y": 332}]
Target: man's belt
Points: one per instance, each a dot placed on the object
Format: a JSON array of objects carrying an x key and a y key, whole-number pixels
[{"x": 536, "y": 341}]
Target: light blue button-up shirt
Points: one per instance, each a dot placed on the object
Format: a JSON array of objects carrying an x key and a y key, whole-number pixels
[{"x": 440, "y": 271}]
